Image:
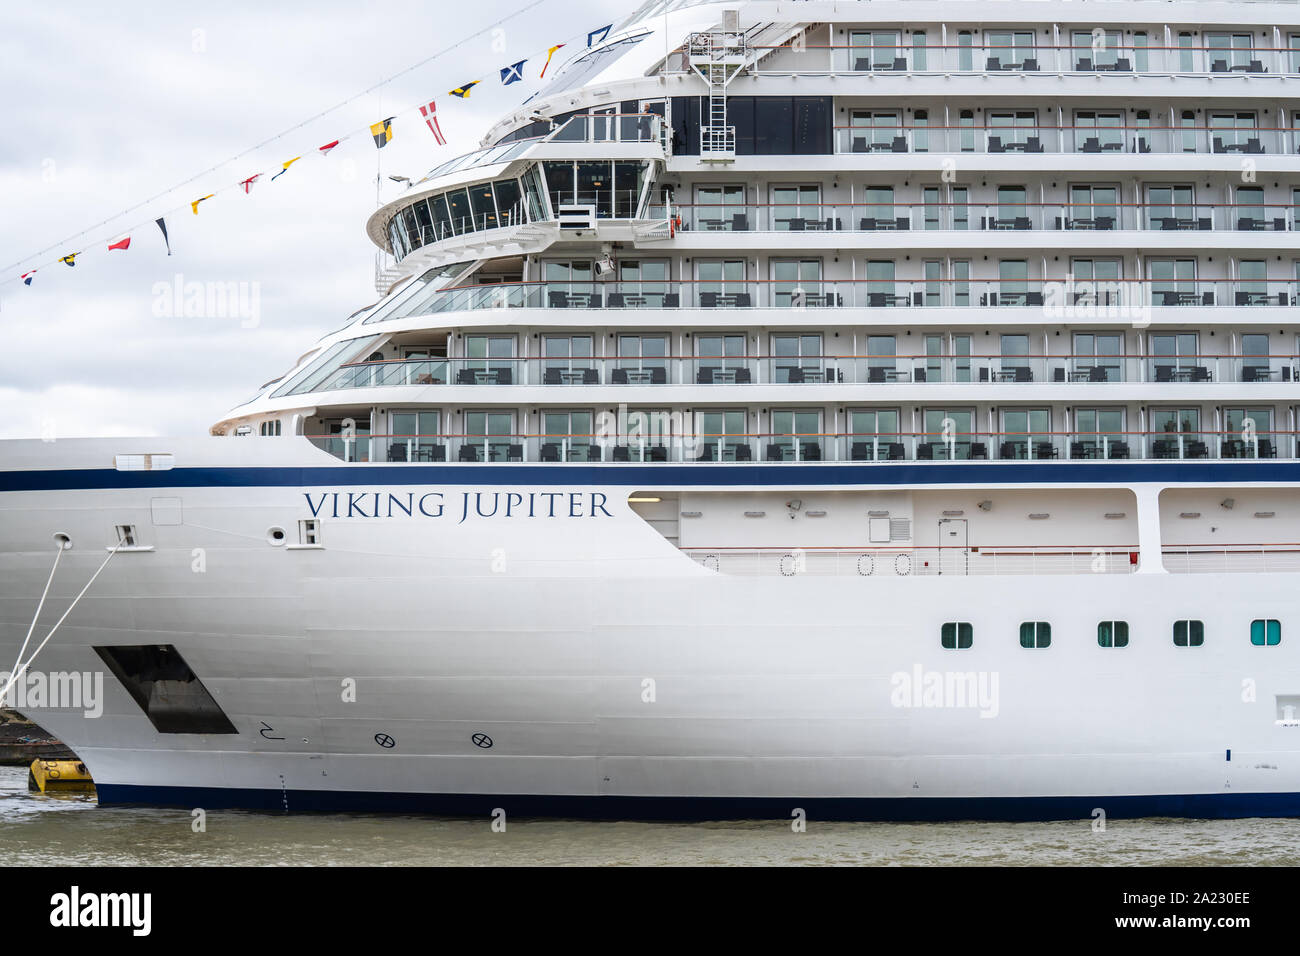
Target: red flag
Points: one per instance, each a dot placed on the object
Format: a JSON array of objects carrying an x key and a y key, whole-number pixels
[
  {"x": 432, "y": 120},
  {"x": 123, "y": 243},
  {"x": 248, "y": 183},
  {"x": 325, "y": 150}
]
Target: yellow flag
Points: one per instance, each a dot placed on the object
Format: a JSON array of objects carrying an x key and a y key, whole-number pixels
[
  {"x": 382, "y": 132},
  {"x": 195, "y": 205},
  {"x": 549, "y": 53},
  {"x": 286, "y": 166}
]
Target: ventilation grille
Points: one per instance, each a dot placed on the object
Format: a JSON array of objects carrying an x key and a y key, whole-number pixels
[{"x": 900, "y": 529}]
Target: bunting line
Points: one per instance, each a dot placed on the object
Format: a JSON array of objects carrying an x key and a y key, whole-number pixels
[
  {"x": 283, "y": 133},
  {"x": 382, "y": 133}
]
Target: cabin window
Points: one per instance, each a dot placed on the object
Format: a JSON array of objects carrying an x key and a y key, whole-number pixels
[
  {"x": 1189, "y": 633},
  {"x": 1035, "y": 634},
  {"x": 956, "y": 636},
  {"x": 1265, "y": 633},
  {"x": 1112, "y": 633}
]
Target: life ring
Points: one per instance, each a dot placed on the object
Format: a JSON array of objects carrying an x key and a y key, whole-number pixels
[
  {"x": 871, "y": 565},
  {"x": 903, "y": 565}
]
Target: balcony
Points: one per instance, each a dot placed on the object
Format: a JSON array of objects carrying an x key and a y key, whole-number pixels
[
  {"x": 1079, "y": 140},
  {"x": 1101, "y": 300},
  {"x": 783, "y": 448},
  {"x": 983, "y": 217},
  {"x": 883, "y": 370},
  {"x": 610, "y": 128},
  {"x": 1117, "y": 56}
]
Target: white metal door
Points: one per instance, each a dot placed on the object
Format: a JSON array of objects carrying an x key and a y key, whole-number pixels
[{"x": 953, "y": 552}]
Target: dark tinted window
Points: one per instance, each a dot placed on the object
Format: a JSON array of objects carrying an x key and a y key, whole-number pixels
[{"x": 170, "y": 694}]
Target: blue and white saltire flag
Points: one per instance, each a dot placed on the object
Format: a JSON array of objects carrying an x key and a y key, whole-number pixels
[{"x": 513, "y": 73}]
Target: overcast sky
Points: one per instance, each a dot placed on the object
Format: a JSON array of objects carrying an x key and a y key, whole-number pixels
[{"x": 108, "y": 104}]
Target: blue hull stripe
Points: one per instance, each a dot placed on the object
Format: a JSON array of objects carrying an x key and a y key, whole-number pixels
[
  {"x": 1198, "y": 805},
  {"x": 652, "y": 476}
]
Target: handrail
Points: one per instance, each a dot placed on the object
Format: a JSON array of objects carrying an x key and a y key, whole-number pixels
[{"x": 579, "y": 361}]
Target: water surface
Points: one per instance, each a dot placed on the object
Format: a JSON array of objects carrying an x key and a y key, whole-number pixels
[{"x": 43, "y": 830}]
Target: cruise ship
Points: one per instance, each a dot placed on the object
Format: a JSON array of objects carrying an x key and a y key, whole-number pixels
[{"x": 857, "y": 410}]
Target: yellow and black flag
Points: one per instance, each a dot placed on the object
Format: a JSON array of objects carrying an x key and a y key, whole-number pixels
[
  {"x": 70, "y": 259},
  {"x": 463, "y": 91},
  {"x": 382, "y": 132}
]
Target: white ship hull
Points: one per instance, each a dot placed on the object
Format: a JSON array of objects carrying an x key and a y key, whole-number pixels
[{"x": 612, "y": 674}]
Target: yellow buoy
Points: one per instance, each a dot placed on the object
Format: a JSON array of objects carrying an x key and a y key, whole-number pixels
[{"x": 60, "y": 776}]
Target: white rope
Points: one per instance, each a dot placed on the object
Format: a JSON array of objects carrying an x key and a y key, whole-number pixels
[
  {"x": 35, "y": 617},
  {"x": 13, "y": 679}
]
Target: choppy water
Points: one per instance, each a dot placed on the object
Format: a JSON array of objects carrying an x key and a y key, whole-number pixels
[{"x": 45, "y": 830}]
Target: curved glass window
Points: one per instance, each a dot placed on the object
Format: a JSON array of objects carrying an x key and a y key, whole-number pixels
[
  {"x": 418, "y": 300},
  {"x": 316, "y": 375},
  {"x": 500, "y": 153},
  {"x": 459, "y": 211}
]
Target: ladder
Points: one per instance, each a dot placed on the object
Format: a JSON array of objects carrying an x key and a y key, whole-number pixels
[
  {"x": 717, "y": 58},
  {"x": 716, "y": 136}
]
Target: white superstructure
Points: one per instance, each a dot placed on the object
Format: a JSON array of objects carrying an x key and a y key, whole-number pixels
[{"x": 882, "y": 409}]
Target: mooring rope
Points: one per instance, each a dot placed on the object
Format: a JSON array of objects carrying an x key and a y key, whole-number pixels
[
  {"x": 20, "y": 670},
  {"x": 35, "y": 617}
]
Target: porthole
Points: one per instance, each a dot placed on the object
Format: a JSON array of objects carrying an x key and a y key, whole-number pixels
[
  {"x": 275, "y": 537},
  {"x": 866, "y": 565}
]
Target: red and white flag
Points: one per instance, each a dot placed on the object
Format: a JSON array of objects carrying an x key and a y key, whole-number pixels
[
  {"x": 325, "y": 150},
  {"x": 123, "y": 243},
  {"x": 431, "y": 118},
  {"x": 248, "y": 183}
]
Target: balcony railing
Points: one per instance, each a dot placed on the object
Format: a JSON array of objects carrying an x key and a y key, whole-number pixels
[
  {"x": 1120, "y": 58},
  {"x": 850, "y": 369},
  {"x": 1050, "y": 138},
  {"x": 777, "y": 448},
  {"x": 610, "y": 128},
  {"x": 1110, "y": 298},
  {"x": 904, "y": 561},
  {"x": 970, "y": 217}
]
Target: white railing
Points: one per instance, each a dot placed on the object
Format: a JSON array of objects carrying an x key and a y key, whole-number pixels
[{"x": 903, "y": 561}]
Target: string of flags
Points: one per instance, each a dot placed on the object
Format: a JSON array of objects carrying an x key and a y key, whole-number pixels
[{"x": 381, "y": 132}]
